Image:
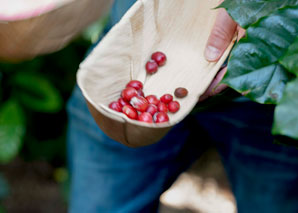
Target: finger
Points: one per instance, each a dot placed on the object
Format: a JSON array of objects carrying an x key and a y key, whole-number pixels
[
  {"x": 221, "y": 35},
  {"x": 219, "y": 88},
  {"x": 241, "y": 33},
  {"x": 215, "y": 87}
]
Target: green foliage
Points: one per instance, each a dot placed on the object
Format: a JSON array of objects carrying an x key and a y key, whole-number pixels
[
  {"x": 12, "y": 129},
  {"x": 263, "y": 65},
  {"x": 289, "y": 60},
  {"x": 286, "y": 116},
  {"x": 36, "y": 92},
  {"x": 47, "y": 149},
  {"x": 33, "y": 97},
  {"x": 247, "y": 12},
  {"x": 2, "y": 210},
  {"x": 253, "y": 67}
]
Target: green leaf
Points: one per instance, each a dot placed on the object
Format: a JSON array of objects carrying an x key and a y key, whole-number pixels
[
  {"x": 37, "y": 93},
  {"x": 290, "y": 59},
  {"x": 2, "y": 210},
  {"x": 253, "y": 68},
  {"x": 247, "y": 12},
  {"x": 31, "y": 65},
  {"x": 1, "y": 86},
  {"x": 4, "y": 188},
  {"x": 12, "y": 130},
  {"x": 286, "y": 115},
  {"x": 49, "y": 150}
]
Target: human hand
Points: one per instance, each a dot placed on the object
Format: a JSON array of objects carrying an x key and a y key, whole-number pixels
[{"x": 221, "y": 36}]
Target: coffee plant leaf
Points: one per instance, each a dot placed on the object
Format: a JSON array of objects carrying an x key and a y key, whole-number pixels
[
  {"x": 254, "y": 69},
  {"x": 36, "y": 92},
  {"x": 290, "y": 59},
  {"x": 12, "y": 130},
  {"x": 286, "y": 115},
  {"x": 247, "y": 12}
]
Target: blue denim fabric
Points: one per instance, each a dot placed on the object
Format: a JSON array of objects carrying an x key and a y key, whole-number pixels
[{"x": 109, "y": 177}]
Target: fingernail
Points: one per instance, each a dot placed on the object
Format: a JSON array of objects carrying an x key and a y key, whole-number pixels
[{"x": 212, "y": 53}]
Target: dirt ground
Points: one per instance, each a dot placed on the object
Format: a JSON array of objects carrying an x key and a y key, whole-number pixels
[
  {"x": 202, "y": 189},
  {"x": 32, "y": 188}
]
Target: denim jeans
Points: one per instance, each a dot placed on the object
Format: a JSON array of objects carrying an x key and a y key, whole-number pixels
[{"x": 109, "y": 177}]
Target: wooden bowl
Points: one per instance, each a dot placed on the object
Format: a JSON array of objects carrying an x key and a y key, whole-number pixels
[
  {"x": 26, "y": 32},
  {"x": 178, "y": 28}
]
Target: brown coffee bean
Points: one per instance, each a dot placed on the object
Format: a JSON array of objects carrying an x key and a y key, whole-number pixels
[{"x": 181, "y": 92}]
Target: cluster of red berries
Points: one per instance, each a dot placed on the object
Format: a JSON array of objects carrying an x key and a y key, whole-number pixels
[
  {"x": 158, "y": 59},
  {"x": 148, "y": 109}
]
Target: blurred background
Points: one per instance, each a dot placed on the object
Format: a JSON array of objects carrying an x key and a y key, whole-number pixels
[{"x": 33, "y": 124}]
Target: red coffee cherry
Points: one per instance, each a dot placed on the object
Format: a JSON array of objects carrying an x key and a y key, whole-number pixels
[
  {"x": 173, "y": 106},
  {"x": 139, "y": 103},
  {"x": 152, "y": 99},
  {"x": 115, "y": 106},
  {"x": 152, "y": 109},
  {"x": 159, "y": 57},
  {"x": 151, "y": 67},
  {"x": 141, "y": 93},
  {"x": 162, "y": 107},
  {"x": 128, "y": 93},
  {"x": 161, "y": 117},
  {"x": 122, "y": 102},
  {"x": 145, "y": 117},
  {"x": 130, "y": 112},
  {"x": 167, "y": 98},
  {"x": 181, "y": 92},
  {"x": 135, "y": 84}
]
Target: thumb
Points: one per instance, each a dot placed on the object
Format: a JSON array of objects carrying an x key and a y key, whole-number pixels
[{"x": 221, "y": 36}]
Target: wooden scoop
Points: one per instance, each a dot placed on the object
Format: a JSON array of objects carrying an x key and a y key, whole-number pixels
[{"x": 178, "y": 28}]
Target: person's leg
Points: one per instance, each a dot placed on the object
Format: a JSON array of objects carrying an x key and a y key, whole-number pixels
[
  {"x": 263, "y": 175},
  {"x": 109, "y": 177}
]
